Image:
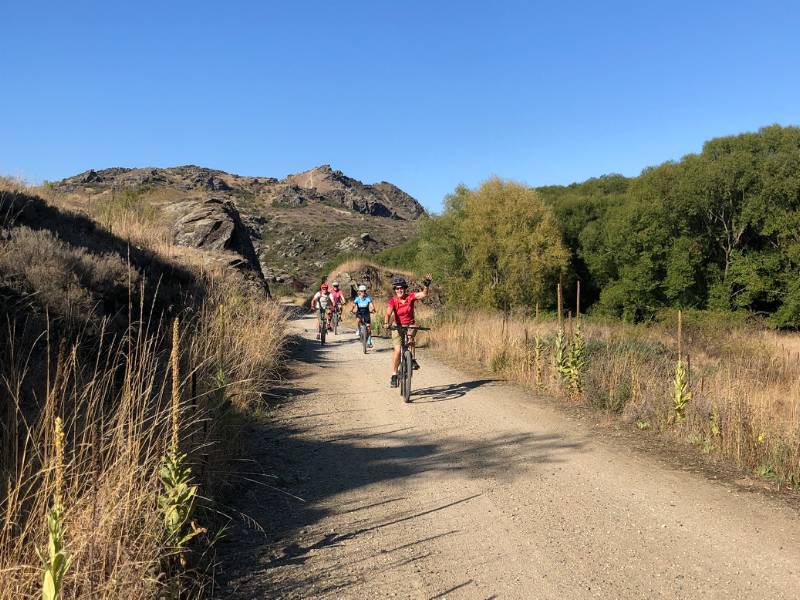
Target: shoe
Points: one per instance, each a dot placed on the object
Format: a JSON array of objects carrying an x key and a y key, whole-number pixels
[
  {"x": 414, "y": 364},
  {"x": 394, "y": 381},
  {"x": 369, "y": 344}
]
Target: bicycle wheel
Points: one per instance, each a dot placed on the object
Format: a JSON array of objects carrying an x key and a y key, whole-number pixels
[
  {"x": 364, "y": 338},
  {"x": 408, "y": 369},
  {"x": 323, "y": 329},
  {"x": 335, "y": 323},
  {"x": 401, "y": 378}
]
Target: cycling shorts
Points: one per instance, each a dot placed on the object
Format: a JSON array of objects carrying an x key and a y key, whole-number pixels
[
  {"x": 396, "y": 336},
  {"x": 363, "y": 314}
]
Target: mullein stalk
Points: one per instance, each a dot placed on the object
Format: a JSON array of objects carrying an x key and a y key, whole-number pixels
[
  {"x": 178, "y": 497},
  {"x": 56, "y": 562},
  {"x": 538, "y": 349}
]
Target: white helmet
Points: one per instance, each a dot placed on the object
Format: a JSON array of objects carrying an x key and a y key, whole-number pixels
[
  {"x": 362, "y": 288},
  {"x": 335, "y": 284}
]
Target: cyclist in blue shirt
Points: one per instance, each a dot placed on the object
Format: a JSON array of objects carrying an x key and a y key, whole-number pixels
[{"x": 362, "y": 308}]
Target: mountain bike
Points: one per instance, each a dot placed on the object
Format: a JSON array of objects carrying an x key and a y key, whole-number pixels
[{"x": 406, "y": 367}]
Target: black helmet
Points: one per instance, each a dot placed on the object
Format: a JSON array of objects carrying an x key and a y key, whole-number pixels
[{"x": 399, "y": 282}]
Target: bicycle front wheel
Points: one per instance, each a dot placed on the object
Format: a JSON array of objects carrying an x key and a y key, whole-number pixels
[
  {"x": 364, "y": 338},
  {"x": 335, "y": 323},
  {"x": 408, "y": 370}
]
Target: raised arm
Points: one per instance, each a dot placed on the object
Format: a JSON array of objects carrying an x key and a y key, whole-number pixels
[{"x": 426, "y": 283}]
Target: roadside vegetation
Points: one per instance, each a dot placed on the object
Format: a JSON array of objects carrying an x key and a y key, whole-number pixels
[
  {"x": 127, "y": 368},
  {"x": 712, "y": 237}
]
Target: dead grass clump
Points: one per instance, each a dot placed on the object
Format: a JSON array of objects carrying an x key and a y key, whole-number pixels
[{"x": 70, "y": 280}]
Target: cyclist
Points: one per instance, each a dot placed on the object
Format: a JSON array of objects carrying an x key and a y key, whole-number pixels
[
  {"x": 322, "y": 301},
  {"x": 401, "y": 309},
  {"x": 362, "y": 308},
  {"x": 338, "y": 299}
]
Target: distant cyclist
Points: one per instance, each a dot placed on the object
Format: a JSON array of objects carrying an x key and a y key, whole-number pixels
[
  {"x": 400, "y": 309},
  {"x": 322, "y": 302},
  {"x": 338, "y": 299},
  {"x": 362, "y": 308}
]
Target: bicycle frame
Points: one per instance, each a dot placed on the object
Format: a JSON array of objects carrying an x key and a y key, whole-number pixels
[{"x": 405, "y": 368}]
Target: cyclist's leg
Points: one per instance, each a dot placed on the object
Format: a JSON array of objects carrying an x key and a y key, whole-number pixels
[
  {"x": 395, "y": 355},
  {"x": 412, "y": 334},
  {"x": 365, "y": 319}
]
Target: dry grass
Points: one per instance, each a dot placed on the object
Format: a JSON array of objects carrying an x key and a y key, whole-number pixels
[
  {"x": 111, "y": 386},
  {"x": 745, "y": 382}
]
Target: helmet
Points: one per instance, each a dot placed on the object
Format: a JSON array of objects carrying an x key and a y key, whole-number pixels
[
  {"x": 362, "y": 288},
  {"x": 399, "y": 282},
  {"x": 335, "y": 284},
  {"x": 324, "y": 286}
]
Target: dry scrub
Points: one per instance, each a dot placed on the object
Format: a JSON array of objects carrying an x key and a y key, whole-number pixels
[
  {"x": 104, "y": 370},
  {"x": 744, "y": 380}
]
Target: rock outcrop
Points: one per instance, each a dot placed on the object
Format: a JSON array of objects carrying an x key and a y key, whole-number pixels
[
  {"x": 216, "y": 225},
  {"x": 380, "y": 199}
]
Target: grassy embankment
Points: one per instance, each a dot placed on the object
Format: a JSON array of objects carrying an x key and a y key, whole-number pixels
[
  {"x": 87, "y": 313},
  {"x": 744, "y": 379}
]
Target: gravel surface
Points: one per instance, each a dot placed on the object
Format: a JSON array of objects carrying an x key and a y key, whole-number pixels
[{"x": 477, "y": 489}]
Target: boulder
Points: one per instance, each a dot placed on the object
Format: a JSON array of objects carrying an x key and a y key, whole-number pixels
[{"x": 215, "y": 224}]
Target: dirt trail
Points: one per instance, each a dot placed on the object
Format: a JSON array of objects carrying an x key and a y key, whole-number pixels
[{"x": 479, "y": 490}]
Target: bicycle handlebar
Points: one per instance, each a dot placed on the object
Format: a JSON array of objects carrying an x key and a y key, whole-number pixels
[{"x": 418, "y": 327}]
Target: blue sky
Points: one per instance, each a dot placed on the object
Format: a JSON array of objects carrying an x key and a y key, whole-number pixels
[{"x": 425, "y": 94}]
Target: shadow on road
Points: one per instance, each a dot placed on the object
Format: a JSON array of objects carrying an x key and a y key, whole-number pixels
[
  {"x": 314, "y": 468},
  {"x": 440, "y": 393}
]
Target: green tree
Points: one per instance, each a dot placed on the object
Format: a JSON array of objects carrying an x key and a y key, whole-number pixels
[{"x": 513, "y": 246}]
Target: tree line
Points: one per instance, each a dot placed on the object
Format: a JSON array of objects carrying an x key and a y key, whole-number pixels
[{"x": 718, "y": 230}]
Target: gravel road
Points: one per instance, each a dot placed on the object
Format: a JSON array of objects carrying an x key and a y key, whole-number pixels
[{"x": 477, "y": 489}]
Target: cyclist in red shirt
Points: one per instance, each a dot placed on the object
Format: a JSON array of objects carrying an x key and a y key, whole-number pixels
[{"x": 400, "y": 309}]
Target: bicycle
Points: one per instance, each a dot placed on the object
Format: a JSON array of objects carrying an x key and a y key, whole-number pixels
[
  {"x": 406, "y": 367},
  {"x": 335, "y": 321}
]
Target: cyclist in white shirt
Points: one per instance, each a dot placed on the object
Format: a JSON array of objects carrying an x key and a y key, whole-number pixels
[{"x": 322, "y": 301}]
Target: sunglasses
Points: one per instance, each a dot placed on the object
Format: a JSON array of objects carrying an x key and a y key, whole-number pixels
[{"x": 399, "y": 287}]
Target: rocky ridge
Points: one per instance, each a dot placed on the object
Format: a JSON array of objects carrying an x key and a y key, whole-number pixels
[{"x": 285, "y": 230}]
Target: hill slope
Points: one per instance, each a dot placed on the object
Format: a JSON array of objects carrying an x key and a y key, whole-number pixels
[{"x": 295, "y": 224}]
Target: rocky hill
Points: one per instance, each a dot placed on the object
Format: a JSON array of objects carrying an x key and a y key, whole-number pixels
[{"x": 288, "y": 228}]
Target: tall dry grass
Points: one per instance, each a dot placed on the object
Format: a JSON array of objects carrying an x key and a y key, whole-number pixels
[
  {"x": 115, "y": 402},
  {"x": 112, "y": 388},
  {"x": 745, "y": 381}
]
